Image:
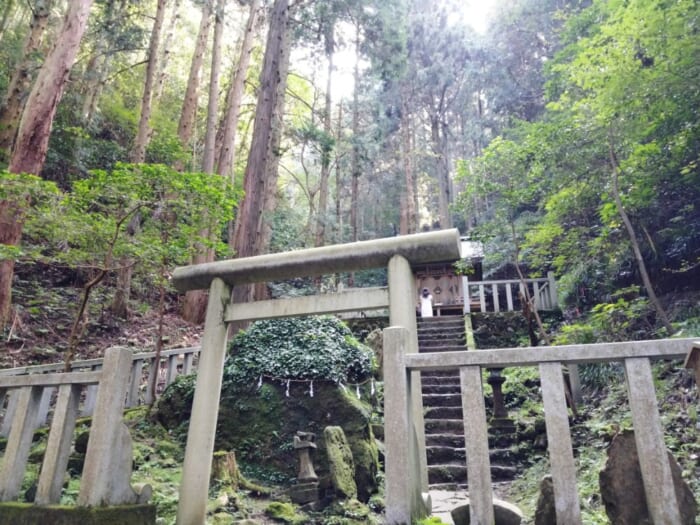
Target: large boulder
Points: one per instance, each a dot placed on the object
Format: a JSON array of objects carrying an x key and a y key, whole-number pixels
[
  {"x": 260, "y": 425},
  {"x": 622, "y": 489}
]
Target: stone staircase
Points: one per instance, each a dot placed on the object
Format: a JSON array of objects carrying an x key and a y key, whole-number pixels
[{"x": 442, "y": 403}]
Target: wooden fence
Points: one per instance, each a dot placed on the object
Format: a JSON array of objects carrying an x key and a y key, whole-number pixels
[
  {"x": 504, "y": 295},
  {"x": 143, "y": 368},
  {"x": 403, "y": 476}
]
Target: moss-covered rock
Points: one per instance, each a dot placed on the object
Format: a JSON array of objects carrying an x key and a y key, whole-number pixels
[
  {"x": 260, "y": 424},
  {"x": 285, "y": 513},
  {"x": 340, "y": 463}
]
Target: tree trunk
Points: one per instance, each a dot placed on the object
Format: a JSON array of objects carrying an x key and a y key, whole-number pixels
[
  {"x": 249, "y": 235},
  {"x": 639, "y": 258},
  {"x": 338, "y": 238},
  {"x": 213, "y": 107},
  {"x": 20, "y": 82},
  {"x": 194, "y": 307},
  {"x": 10, "y": 234},
  {"x": 143, "y": 135},
  {"x": 6, "y": 15},
  {"x": 355, "y": 167},
  {"x": 235, "y": 96},
  {"x": 120, "y": 303},
  {"x": 442, "y": 173},
  {"x": 29, "y": 151},
  {"x": 224, "y": 470},
  {"x": 165, "y": 51},
  {"x": 408, "y": 210},
  {"x": 185, "y": 127},
  {"x": 325, "y": 150}
]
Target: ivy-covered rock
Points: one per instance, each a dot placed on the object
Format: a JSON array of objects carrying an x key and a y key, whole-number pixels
[{"x": 319, "y": 347}]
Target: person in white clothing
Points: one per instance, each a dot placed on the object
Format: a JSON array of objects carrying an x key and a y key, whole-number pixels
[{"x": 426, "y": 303}]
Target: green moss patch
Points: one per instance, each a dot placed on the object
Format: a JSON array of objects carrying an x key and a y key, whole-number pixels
[{"x": 27, "y": 514}]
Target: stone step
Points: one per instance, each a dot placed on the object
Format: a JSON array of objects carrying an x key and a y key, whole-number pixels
[
  {"x": 441, "y": 320},
  {"x": 442, "y": 400},
  {"x": 444, "y": 348},
  {"x": 454, "y": 437},
  {"x": 445, "y": 440},
  {"x": 440, "y": 388},
  {"x": 440, "y": 329},
  {"x": 457, "y": 473},
  {"x": 452, "y": 384},
  {"x": 444, "y": 426},
  {"x": 453, "y": 412},
  {"x": 446, "y": 376},
  {"x": 447, "y": 340},
  {"x": 447, "y": 454}
]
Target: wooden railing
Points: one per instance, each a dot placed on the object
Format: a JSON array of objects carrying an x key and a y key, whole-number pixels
[
  {"x": 106, "y": 473},
  {"x": 403, "y": 476},
  {"x": 143, "y": 369},
  {"x": 504, "y": 295}
]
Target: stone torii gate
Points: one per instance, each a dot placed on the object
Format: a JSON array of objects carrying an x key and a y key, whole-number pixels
[{"x": 406, "y": 469}]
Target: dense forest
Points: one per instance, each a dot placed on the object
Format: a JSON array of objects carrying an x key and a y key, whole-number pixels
[{"x": 136, "y": 136}]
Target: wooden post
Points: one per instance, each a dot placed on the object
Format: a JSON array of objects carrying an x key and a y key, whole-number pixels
[
  {"x": 561, "y": 456},
  {"x": 509, "y": 297},
  {"x": 553, "y": 293},
  {"x": 12, "y": 400},
  {"x": 482, "y": 298},
  {"x": 651, "y": 449},
  {"x": 467, "y": 308},
  {"x": 476, "y": 442},
  {"x": 172, "y": 369},
  {"x": 194, "y": 487},
  {"x": 104, "y": 445},
  {"x": 152, "y": 384},
  {"x": 494, "y": 293},
  {"x": 136, "y": 379},
  {"x": 44, "y": 405},
  {"x": 19, "y": 442},
  {"x": 693, "y": 361},
  {"x": 58, "y": 448},
  {"x": 187, "y": 366},
  {"x": 90, "y": 397}
]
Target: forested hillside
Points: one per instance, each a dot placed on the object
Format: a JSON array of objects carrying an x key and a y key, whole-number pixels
[{"x": 136, "y": 136}]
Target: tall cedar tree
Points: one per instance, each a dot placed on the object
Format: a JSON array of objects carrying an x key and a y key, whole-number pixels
[
  {"x": 250, "y": 235},
  {"x": 29, "y": 150}
]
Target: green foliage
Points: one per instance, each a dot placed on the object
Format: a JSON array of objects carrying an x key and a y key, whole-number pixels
[
  {"x": 298, "y": 348},
  {"x": 151, "y": 214},
  {"x": 28, "y": 198}
]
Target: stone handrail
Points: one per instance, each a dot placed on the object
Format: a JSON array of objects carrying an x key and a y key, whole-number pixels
[
  {"x": 107, "y": 469},
  {"x": 490, "y": 293},
  {"x": 172, "y": 363},
  {"x": 403, "y": 476}
]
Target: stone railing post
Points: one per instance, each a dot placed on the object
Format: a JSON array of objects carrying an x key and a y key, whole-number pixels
[{"x": 108, "y": 442}]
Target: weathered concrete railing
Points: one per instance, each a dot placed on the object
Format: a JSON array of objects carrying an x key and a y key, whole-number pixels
[
  {"x": 401, "y": 478},
  {"x": 489, "y": 296},
  {"x": 143, "y": 368},
  {"x": 107, "y": 469}
]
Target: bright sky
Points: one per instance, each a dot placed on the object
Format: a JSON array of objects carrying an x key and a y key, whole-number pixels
[{"x": 476, "y": 13}]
